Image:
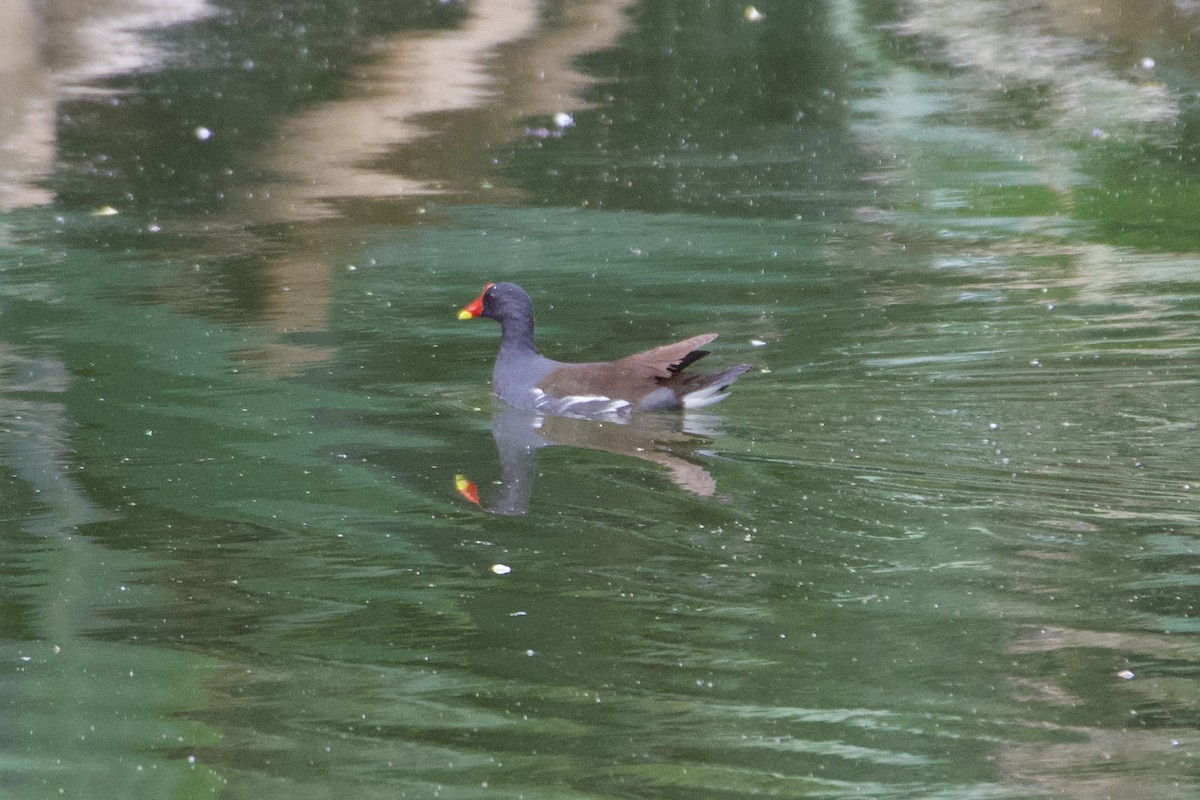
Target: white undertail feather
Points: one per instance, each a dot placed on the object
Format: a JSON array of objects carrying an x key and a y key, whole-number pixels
[
  {"x": 715, "y": 391},
  {"x": 702, "y": 398}
]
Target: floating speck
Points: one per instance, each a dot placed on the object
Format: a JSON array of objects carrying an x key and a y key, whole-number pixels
[
  {"x": 1148, "y": 63},
  {"x": 203, "y": 134},
  {"x": 1126, "y": 674},
  {"x": 752, "y": 14},
  {"x": 563, "y": 120},
  {"x": 758, "y": 342},
  {"x": 105, "y": 211},
  {"x": 501, "y": 569}
]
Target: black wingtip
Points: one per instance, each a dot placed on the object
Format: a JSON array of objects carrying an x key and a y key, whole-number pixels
[{"x": 683, "y": 363}]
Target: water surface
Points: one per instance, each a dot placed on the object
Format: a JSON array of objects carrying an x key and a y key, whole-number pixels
[{"x": 940, "y": 542}]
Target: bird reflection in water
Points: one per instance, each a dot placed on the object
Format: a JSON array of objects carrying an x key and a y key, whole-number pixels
[{"x": 519, "y": 434}]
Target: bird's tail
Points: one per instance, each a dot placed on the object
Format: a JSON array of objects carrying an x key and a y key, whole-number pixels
[{"x": 712, "y": 389}]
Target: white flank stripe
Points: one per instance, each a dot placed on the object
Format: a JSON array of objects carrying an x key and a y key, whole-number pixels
[
  {"x": 615, "y": 405},
  {"x": 576, "y": 399}
]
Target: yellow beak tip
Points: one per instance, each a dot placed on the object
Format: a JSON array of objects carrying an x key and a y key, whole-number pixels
[{"x": 464, "y": 314}]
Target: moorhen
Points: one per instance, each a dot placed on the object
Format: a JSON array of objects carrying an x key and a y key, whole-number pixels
[{"x": 653, "y": 380}]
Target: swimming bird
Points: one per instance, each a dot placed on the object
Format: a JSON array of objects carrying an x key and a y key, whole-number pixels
[{"x": 653, "y": 380}]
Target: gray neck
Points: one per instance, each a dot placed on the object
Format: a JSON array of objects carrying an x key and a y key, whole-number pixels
[{"x": 516, "y": 336}]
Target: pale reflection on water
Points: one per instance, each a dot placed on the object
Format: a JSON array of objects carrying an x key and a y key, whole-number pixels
[
  {"x": 433, "y": 104},
  {"x": 54, "y": 50},
  {"x": 419, "y": 121},
  {"x": 37, "y": 443}
]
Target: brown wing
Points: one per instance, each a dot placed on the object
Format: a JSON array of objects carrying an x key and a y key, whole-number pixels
[
  {"x": 628, "y": 378},
  {"x": 663, "y": 362}
]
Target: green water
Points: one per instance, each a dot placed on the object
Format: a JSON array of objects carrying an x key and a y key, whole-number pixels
[{"x": 942, "y": 542}]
